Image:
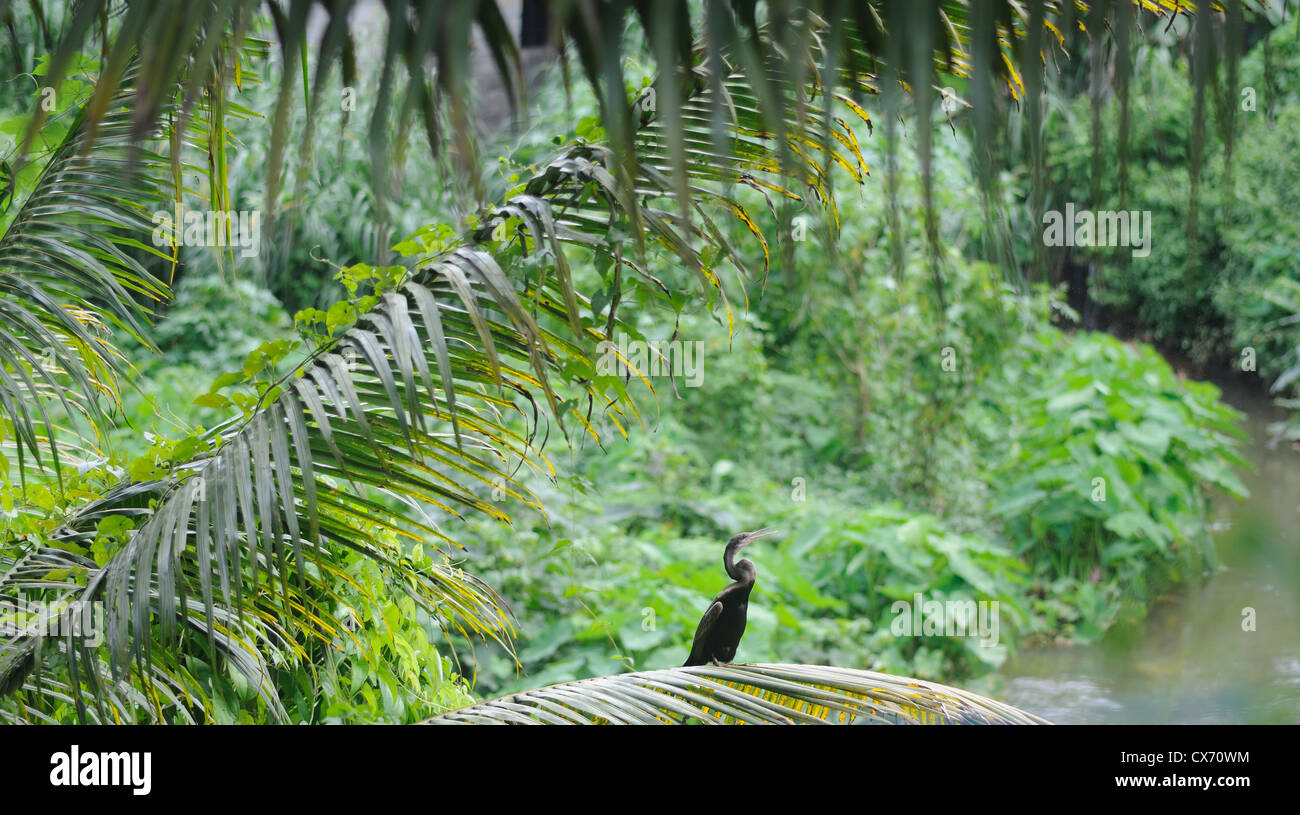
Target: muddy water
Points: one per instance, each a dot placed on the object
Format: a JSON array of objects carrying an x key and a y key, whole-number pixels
[{"x": 1191, "y": 662}]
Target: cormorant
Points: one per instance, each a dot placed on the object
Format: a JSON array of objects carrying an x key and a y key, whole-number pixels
[{"x": 723, "y": 624}]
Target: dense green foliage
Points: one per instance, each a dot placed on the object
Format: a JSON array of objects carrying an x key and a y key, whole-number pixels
[
  {"x": 955, "y": 461},
  {"x": 1102, "y": 487},
  {"x": 917, "y": 427},
  {"x": 889, "y": 473},
  {"x": 1212, "y": 285}
]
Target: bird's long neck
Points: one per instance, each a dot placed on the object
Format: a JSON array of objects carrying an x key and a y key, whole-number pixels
[{"x": 743, "y": 571}]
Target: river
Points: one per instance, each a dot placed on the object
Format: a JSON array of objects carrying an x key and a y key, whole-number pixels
[{"x": 1191, "y": 662}]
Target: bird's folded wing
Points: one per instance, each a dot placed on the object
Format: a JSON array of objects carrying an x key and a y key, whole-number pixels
[{"x": 710, "y": 617}]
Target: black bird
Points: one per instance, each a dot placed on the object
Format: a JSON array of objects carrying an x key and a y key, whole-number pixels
[{"x": 723, "y": 624}]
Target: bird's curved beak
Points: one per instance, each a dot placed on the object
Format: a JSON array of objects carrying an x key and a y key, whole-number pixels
[{"x": 758, "y": 533}]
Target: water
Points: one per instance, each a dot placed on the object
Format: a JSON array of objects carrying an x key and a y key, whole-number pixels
[{"x": 1191, "y": 662}]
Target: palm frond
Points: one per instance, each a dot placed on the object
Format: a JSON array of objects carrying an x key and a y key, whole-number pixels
[
  {"x": 67, "y": 278},
  {"x": 819, "y": 39},
  {"x": 744, "y": 694}
]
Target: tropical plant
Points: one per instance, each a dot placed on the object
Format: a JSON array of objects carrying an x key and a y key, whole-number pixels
[
  {"x": 1101, "y": 481},
  {"x": 1206, "y": 297},
  {"x": 224, "y": 553},
  {"x": 744, "y": 694}
]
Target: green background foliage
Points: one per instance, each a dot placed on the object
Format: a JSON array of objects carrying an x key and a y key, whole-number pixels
[{"x": 916, "y": 420}]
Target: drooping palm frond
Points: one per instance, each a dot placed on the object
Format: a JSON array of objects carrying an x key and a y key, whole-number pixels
[
  {"x": 896, "y": 45},
  {"x": 67, "y": 278},
  {"x": 744, "y": 694}
]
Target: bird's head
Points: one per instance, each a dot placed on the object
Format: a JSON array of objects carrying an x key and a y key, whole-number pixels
[
  {"x": 744, "y": 539},
  {"x": 744, "y": 569}
]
